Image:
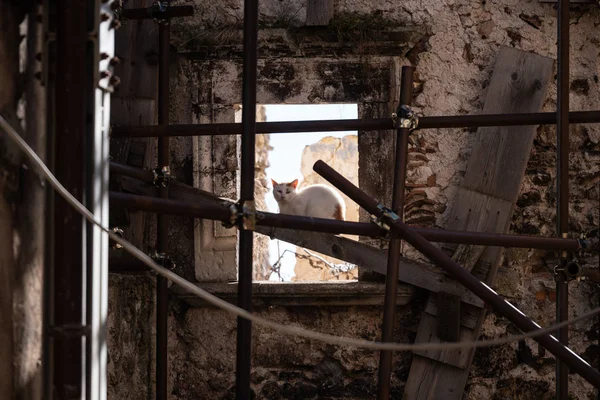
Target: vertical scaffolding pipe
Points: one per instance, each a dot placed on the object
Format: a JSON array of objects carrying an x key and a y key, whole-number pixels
[
  {"x": 391, "y": 281},
  {"x": 562, "y": 187},
  {"x": 244, "y": 327},
  {"x": 67, "y": 324},
  {"x": 162, "y": 231}
]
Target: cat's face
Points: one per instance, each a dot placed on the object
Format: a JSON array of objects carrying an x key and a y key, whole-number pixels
[{"x": 284, "y": 191}]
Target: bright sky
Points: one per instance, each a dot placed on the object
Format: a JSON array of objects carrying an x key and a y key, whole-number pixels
[{"x": 285, "y": 158}]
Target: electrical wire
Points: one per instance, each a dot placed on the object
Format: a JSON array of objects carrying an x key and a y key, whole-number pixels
[{"x": 43, "y": 171}]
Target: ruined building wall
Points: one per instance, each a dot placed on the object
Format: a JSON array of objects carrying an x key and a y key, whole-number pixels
[
  {"x": 342, "y": 155},
  {"x": 453, "y": 46}
]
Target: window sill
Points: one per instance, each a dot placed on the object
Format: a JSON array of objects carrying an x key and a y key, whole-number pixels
[{"x": 267, "y": 294}]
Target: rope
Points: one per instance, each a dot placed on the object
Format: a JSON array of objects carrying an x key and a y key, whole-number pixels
[{"x": 44, "y": 172}]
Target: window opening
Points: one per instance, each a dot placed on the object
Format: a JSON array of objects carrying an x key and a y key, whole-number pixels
[{"x": 291, "y": 156}]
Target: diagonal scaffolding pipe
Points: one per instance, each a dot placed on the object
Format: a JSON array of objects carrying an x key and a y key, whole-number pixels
[
  {"x": 572, "y": 360},
  {"x": 244, "y": 326},
  {"x": 398, "y": 196}
]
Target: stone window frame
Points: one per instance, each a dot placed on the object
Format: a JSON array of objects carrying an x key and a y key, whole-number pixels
[{"x": 219, "y": 89}]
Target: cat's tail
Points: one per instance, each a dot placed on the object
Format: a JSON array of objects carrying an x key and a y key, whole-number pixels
[{"x": 338, "y": 212}]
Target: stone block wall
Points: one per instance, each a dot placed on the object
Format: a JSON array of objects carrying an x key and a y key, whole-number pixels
[
  {"x": 358, "y": 58},
  {"x": 342, "y": 155}
]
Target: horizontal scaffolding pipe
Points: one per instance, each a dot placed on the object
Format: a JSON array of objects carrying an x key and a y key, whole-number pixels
[
  {"x": 155, "y": 12},
  {"x": 437, "y": 256},
  {"x": 144, "y": 175},
  {"x": 455, "y": 121},
  {"x": 221, "y": 210}
]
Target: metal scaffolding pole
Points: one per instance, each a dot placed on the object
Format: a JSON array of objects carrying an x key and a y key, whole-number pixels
[
  {"x": 576, "y": 363},
  {"x": 394, "y": 251},
  {"x": 434, "y": 122},
  {"x": 221, "y": 212},
  {"x": 76, "y": 264},
  {"x": 562, "y": 188},
  {"x": 67, "y": 328},
  {"x": 162, "y": 230},
  {"x": 244, "y": 326}
]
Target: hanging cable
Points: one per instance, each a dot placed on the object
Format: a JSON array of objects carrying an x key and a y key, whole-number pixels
[{"x": 43, "y": 171}]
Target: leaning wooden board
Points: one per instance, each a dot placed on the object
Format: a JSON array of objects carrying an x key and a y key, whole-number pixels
[{"x": 487, "y": 196}]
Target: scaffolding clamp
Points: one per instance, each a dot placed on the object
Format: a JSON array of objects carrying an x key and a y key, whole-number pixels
[
  {"x": 591, "y": 245},
  {"x": 243, "y": 214},
  {"x": 572, "y": 270},
  {"x": 163, "y": 259},
  {"x": 162, "y": 176},
  {"x": 249, "y": 215},
  {"x": 408, "y": 118},
  {"x": 158, "y": 11},
  {"x": 119, "y": 232},
  {"x": 117, "y": 7},
  {"x": 386, "y": 218}
]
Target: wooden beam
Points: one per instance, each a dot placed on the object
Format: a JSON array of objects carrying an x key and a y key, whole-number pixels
[
  {"x": 421, "y": 275},
  {"x": 488, "y": 192},
  {"x": 133, "y": 104},
  {"x": 332, "y": 293}
]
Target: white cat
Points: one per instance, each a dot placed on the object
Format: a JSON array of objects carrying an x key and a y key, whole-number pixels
[{"x": 317, "y": 201}]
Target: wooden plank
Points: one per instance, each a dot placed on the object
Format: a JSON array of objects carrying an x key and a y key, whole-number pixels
[
  {"x": 448, "y": 327},
  {"x": 136, "y": 45},
  {"x": 476, "y": 212},
  {"x": 319, "y": 12},
  {"x": 334, "y": 293},
  {"x": 495, "y": 169},
  {"x": 134, "y": 103},
  {"x": 421, "y": 275},
  {"x": 468, "y": 313}
]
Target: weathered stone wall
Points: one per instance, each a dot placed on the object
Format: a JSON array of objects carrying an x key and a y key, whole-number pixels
[
  {"x": 340, "y": 154},
  {"x": 453, "y": 46}
]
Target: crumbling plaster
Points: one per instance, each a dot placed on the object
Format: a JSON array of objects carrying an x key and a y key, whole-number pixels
[{"x": 453, "y": 67}]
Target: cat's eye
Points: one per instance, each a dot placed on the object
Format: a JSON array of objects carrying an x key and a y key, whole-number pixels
[{"x": 287, "y": 191}]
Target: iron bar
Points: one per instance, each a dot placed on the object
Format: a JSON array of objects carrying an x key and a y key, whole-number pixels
[
  {"x": 497, "y": 239},
  {"x": 244, "y": 326},
  {"x": 162, "y": 231},
  {"x": 144, "y": 175},
  {"x": 562, "y": 187},
  {"x": 220, "y": 211},
  {"x": 155, "y": 13},
  {"x": 69, "y": 228},
  {"x": 434, "y": 122},
  {"x": 395, "y": 246},
  {"x": 576, "y": 363}
]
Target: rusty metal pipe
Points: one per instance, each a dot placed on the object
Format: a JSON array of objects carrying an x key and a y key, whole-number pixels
[
  {"x": 576, "y": 363},
  {"x": 562, "y": 187},
  {"x": 162, "y": 231},
  {"x": 220, "y": 211},
  {"x": 395, "y": 247},
  {"x": 244, "y": 326},
  {"x": 69, "y": 105},
  {"x": 434, "y": 122},
  {"x": 498, "y": 239}
]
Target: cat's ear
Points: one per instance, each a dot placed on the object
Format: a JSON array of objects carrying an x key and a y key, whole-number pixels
[
  {"x": 294, "y": 183},
  {"x": 273, "y": 182}
]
